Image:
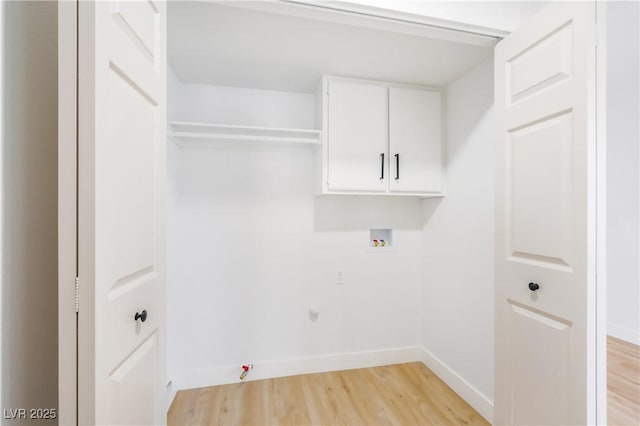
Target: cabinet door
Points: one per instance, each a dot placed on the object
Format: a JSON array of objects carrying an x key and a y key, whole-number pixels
[
  {"x": 358, "y": 136},
  {"x": 415, "y": 140}
]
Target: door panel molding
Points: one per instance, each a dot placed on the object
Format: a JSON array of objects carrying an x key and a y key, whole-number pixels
[{"x": 546, "y": 219}]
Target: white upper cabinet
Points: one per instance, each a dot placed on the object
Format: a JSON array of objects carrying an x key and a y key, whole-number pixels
[
  {"x": 357, "y": 134},
  {"x": 380, "y": 138},
  {"x": 415, "y": 140}
]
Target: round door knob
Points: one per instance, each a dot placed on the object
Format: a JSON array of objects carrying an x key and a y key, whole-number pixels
[
  {"x": 142, "y": 316},
  {"x": 533, "y": 286}
]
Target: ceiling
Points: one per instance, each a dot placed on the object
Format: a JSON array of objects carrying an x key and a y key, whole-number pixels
[
  {"x": 501, "y": 15},
  {"x": 223, "y": 45}
]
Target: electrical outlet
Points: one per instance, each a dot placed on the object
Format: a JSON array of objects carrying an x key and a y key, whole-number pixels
[{"x": 340, "y": 277}]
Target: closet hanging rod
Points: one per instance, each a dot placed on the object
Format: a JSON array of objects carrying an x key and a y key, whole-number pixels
[{"x": 403, "y": 18}]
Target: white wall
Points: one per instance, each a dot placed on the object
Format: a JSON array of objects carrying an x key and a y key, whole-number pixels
[
  {"x": 458, "y": 244},
  {"x": 623, "y": 139},
  {"x": 251, "y": 249},
  {"x": 232, "y": 105},
  {"x": 29, "y": 207}
]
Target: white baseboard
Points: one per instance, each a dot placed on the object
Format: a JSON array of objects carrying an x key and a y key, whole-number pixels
[
  {"x": 470, "y": 394},
  {"x": 623, "y": 333},
  {"x": 171, "y": 394},
  {"x": 191, "y": 379}
]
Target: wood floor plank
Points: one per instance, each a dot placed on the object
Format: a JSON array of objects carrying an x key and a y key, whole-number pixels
[
  {"x": 403, "y": 394},
  {"x": 623, "y": 382}
]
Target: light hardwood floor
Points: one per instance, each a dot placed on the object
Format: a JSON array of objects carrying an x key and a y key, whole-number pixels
[
  {"x": 623, "y": 382},
  {"x": 403, "y": 394}
]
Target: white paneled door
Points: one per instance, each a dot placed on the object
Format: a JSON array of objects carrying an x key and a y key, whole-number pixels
[
  {"x": 121, "y": 157},
  {"x": 545, "y": 85}
]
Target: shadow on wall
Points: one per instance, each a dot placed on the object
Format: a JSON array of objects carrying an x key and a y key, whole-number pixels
[
  {"x": 361, "y": 212},
  {"x": 466, "y": 118},
  {"x": 469, "y": 111},
  {"x": 429, "y": 207},
  {"x": 29, "y": 203}
]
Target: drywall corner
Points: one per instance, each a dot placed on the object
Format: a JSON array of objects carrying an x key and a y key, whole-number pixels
[
  {"x": 2, "y": 254},
  {"x": 623, "y": 170},
  {"x": 29, "y": 207},
  {"x": 480, "y": 402},
  {"x": 458, "y": 241}
]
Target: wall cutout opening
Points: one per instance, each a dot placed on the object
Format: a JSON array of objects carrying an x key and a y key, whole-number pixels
[{"x": 380, "y": 239}]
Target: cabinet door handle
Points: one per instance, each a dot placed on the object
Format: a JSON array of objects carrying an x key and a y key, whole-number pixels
[
  {"x": 397, "y": 166},
  {"x": 382, "y": 166}
]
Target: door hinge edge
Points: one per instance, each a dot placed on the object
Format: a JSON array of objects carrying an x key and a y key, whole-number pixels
[{"x": 77, "y": 294}]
